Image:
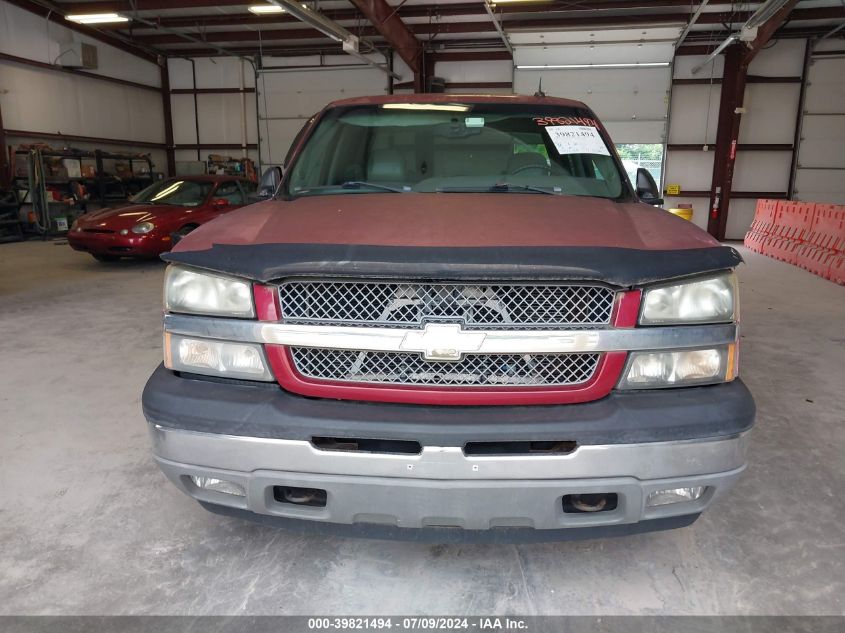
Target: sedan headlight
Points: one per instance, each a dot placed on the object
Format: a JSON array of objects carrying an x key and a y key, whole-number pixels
[
  {"x": 142, "y": 228},
  {"x": 215, "y": 358},
  {"x": 650, "y": 370},
  {"x": 709, "y": 300},
  {"x": 194, "y": 292}
]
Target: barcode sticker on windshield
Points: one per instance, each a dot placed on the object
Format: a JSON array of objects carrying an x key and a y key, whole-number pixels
[{"x": 577, "y": 139}]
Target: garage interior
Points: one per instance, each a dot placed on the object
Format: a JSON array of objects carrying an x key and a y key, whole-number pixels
[{"x": 734, "y": 107}]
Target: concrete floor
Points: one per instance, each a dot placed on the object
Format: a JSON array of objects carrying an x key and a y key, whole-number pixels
[{"x": 88, "y": 525}]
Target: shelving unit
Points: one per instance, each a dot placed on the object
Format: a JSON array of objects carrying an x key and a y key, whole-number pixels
[
  {"x": 229, "y": 166},
  {"x": 10, "y": 224},
  {"x": 58, "y": 184}
]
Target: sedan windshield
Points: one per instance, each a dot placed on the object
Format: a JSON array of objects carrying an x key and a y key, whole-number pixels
[
  {"x": 456, "y": 148},
  {"x": 185, "y": 193}
]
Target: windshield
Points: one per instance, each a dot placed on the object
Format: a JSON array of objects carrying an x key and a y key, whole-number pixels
[
  {"x": 185, "y": 193},
  {"x": 461, "y": 147}
]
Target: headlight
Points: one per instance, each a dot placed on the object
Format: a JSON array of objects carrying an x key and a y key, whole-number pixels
[
  {"x": 143, "y": 228},
  {"x": 710, "y": 300},
  {"x": 215, "y": 358},
  {"x": 650, "y": 370},
  {"x": 195, "y": 292}
]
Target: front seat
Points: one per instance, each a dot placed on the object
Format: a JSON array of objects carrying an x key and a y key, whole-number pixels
[
  {"x": 387, "y": 165},
  {"x": 528, "y": 162}
]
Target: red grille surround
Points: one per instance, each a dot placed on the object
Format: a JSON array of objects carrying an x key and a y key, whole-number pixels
[{"x": 625, "y": 314}]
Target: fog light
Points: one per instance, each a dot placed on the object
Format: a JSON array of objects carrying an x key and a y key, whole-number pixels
[
  {"x": 218, "y": 485},
  {"x": 674, "y": 495}
]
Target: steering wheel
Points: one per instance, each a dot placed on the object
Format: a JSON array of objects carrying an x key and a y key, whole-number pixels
[{"x": 519, "y": 170}]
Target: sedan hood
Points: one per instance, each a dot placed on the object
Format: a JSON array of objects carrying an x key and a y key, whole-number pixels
[
  {"x": 454, "y": 235},
  {"x": 125, "y": 217}
]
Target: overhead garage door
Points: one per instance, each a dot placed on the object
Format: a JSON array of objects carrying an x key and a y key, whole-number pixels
[
  {"x": 821, "y": 161},
  {"x": 287, "y": 98},
  {"x": 631, "y": 101}
]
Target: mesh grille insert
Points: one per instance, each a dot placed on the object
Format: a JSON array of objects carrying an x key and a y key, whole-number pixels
[
  {"x": 473, "y": 370},
  {"x": 479, "y": 306}
]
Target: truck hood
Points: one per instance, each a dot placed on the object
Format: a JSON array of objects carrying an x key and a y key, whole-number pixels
[{"x": 454, "y": 235}]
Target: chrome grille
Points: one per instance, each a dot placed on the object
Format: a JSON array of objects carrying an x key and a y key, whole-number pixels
[
  {"x": 388, "y": 304},
  {"x": 473, "y": 370}
]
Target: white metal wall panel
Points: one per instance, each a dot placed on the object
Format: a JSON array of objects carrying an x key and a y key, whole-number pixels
[
  {"x": 771, "y": 111},
  {"x": 823, "y": 140},
  {"x": 45, "y": 101},
  {"x": 24, "y": 34},
  {"x": 826, "y": 88},
  {"x": 821, "y": 159},
  {"x": 769, "y": 119},
  {"x": 691, "y": 169},
  {"x": 465, "y": 72},
  {"x": 695, "y": 115},
  {"x": 739, "y": 218},
  {"x": 779, "y": 58},
  {"x": 212, "y": 72},
  {"x": 761, "y": 171}
]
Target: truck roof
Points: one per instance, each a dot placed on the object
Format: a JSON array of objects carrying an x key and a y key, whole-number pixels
[{"x": 452, "y": 98}]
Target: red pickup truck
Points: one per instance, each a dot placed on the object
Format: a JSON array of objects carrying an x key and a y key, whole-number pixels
[{"x": 455, "y": 319}]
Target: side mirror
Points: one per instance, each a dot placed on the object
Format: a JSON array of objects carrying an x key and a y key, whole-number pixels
[
  {"x": 647, "y": 189},
  {"x": 270, "y": 180},
  {"x": 219, "y": 203}
]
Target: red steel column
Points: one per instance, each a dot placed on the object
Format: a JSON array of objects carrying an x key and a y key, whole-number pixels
[
  {"x": 727, "y": 135},
  {"x": 168, "y": 117}
]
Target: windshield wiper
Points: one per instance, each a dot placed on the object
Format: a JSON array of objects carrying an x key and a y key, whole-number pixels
[
  {"x": 506, "y": 187},
  {"x": 357, "y": 184},
  {"x": 502, "y": 187}
]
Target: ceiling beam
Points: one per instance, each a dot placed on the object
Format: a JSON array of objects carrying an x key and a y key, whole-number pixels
[
  {"x": 557, "y": 5},
  {"x": 434, "y": 28},
  {"x": 766, "y": 30},
  {"x": 390, "y": 26}
]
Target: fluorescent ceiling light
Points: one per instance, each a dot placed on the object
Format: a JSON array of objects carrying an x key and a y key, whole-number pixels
[
  {"x": 495, "y": 2},
  {"x": 263, "y": 9},
  {"x": 96, "y": 18},
  {"x": 426, "y": 106},
  {"x": 575, "y": 66}
]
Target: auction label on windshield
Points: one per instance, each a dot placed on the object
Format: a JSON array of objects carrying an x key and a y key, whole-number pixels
[{"x": 577, "y": 139}]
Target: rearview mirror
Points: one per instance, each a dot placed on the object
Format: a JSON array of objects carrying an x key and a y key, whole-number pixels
[
  {"x": 270, "y": 180},
  {"x": 647, "y": 189}
]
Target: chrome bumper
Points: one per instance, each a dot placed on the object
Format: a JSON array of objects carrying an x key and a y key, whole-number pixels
[{"x": 444, "y": 487}]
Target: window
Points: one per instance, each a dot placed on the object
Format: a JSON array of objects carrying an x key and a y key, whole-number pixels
[
  {"x": 647, "y": 155},
  {"x": 456, "y": 148},
  {"x": 230, "y": 191},
  {"x": 249, "y": 187},
  {"x": 186, "y": 193}
]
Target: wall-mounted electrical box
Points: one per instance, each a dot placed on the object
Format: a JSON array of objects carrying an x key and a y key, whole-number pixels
[{"x": 78, "y": 55}]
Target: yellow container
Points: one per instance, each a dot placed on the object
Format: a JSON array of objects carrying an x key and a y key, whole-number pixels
[{"x": 685, "y": 213}]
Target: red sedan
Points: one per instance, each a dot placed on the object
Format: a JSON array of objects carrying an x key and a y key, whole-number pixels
[{"x": 168, "y": 209}]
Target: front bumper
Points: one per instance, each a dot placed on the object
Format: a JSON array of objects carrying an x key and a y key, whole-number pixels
[
  {"x": 628, "y": 444},
  {"x": 149, "y": 245}
]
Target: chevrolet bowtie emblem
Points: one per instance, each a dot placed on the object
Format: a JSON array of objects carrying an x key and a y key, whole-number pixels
[{"x": 442, "y": 341}]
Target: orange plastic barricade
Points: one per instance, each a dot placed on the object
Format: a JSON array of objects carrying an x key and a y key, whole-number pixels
[
  {"x": 765, "y": 216},
  {"x": 825, "y": 240},
  {"x": 791, "y": 228}
]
